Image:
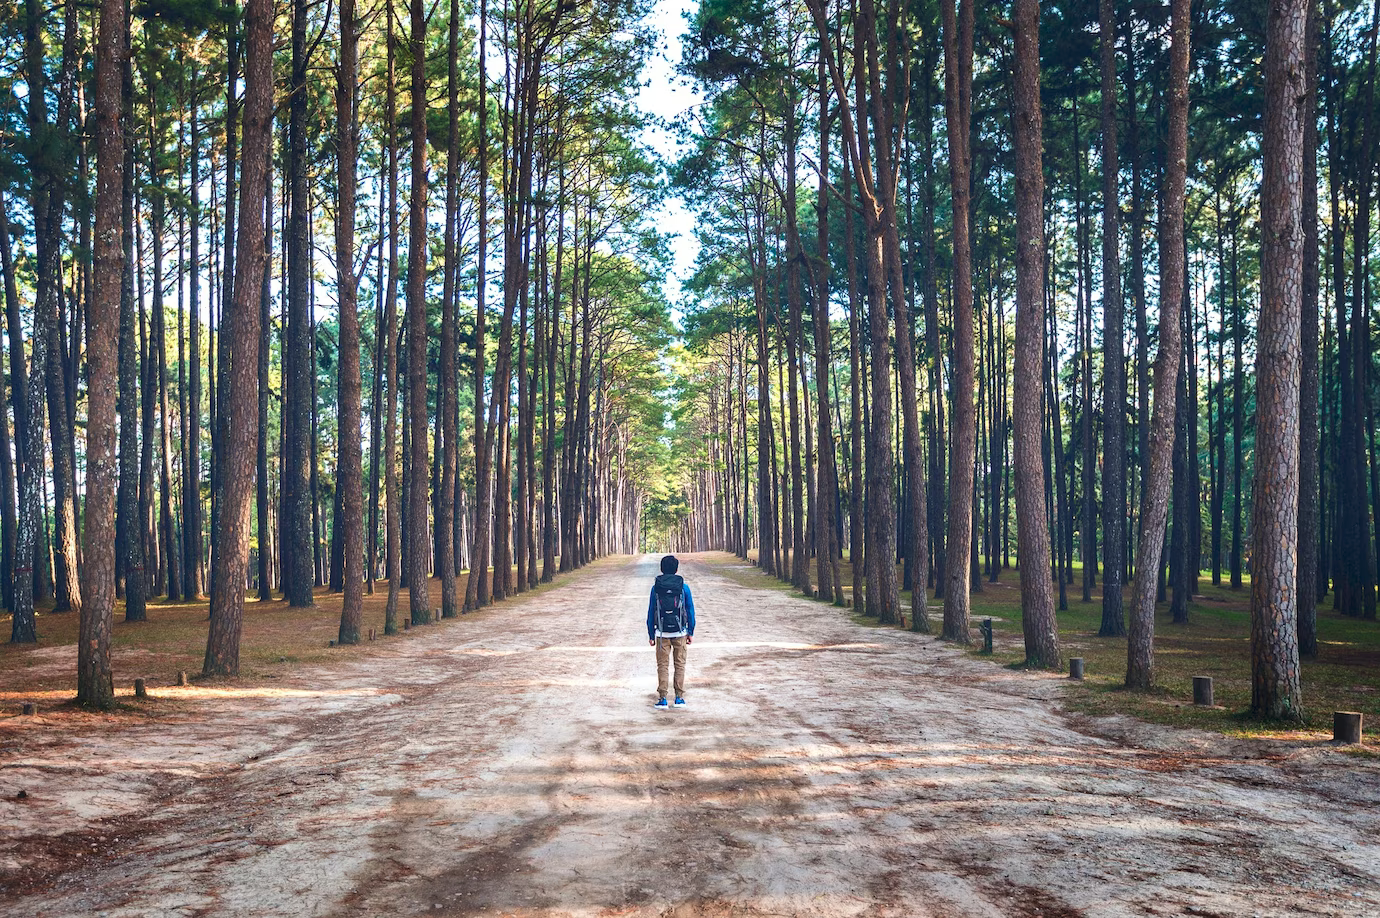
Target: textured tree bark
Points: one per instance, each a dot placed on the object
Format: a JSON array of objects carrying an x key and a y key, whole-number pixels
[
  {"x": 194, "y": 574},
  {"x": 47, "y": 161},
  {"x": 826, "y": 468},
  {"x": 349, "y": 485},
  {"x": 958, "y": 97},
  {"x": 1238, "y": 410},
  {"x": 95, "y": 684},
  {"x": 297, "y": 542},
  {"x": 418, "y": 538},
  {"x": 766, "y": 514},
  {"x": 1363, "y": 553},
  {"x": 445, "y": 519},
  {"x": 1032, "y": 535},
  {"x": 1276, "y": 691},
  {"x": 795, "y": 297},
  {"x": 1309, "y": 466},
  {"x": 220, "y": 349},
  {"x": 1140, "y": 660},
  {"x": 129, "y": 545},
  {"x": 477, "y": 584},
  {"x": 241, "y": 338},
  {"x": 857, "y": 546},
  {"x": 9, "y": 533},
  {"x": 265, "y": 554},
  {"x": 159, "y": 377},
  {"x": 1113, "y": 344},
  {"x": 393, "y": 540}
]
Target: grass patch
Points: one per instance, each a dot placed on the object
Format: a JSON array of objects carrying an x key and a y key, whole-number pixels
[
  {"x": 1214, "y": 642},
  {"x": 275, "y": 639}
]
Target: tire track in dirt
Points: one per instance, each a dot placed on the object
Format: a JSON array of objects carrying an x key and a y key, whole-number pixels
[{"x": 511, "y": 763}]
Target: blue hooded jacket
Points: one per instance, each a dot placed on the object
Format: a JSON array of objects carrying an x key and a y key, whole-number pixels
[{"x": 689, "y": 613}]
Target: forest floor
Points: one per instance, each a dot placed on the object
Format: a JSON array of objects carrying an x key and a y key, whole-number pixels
[{"x": 511, "y": 763}]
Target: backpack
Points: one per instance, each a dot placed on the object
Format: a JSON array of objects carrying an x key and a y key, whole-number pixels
[{"x": 670, "y": 604}]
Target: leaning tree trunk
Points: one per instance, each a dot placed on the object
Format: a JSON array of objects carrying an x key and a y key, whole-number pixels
[
  {"x": 1032, "y": 535},
  {"x": 1140, "y": 650},
  {"x": 1276, "y": 692}
]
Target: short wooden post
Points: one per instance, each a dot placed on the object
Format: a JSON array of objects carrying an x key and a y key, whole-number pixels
[
  {"x": 371, "y": 634},
  {"x": 1346, "y": 726},
  {"x": 29, "y": 709},
  {"x": 1202, "y": 691},
  {"x": 140, "y": 691},
  {"x": 407, "y": 624},
  {"x": 1075, "y": 667},
  {"x": 436, "y": 615},
  {"x": 330, "y": 643},
  {"x": 182, "y": 677}
]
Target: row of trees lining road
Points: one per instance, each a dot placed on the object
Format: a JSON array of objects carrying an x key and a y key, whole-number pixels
[
  {"x": 922, "y": 181},
  {"x": 253, "y": 345}
]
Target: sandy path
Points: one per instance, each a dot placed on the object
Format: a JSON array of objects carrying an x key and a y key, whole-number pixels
[{"x": 512, "y": 764}]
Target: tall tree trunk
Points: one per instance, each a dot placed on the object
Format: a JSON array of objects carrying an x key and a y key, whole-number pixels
[
  {"x": 148, "y": 388},
  {"x": 348, "y": 483},
  {"x": 1140, "y": 660},
  {"x": 8, "y": 462},
  {"x": 393, "y": 550},
  {"x": 1037, "y": 600},
  {"x": 418, "y": 549},
  {"x": 129, "y": 544},
  {"x": 220, "y": 382},
  {"x": 1276, "y": 691},
  {"x": 1238, "y": 409},
  {"x": 159, "y": 352},
  {"x": 827, "y": 553},
  {"x": 1136, "y": 251},
  {"x": 47, "y": 162},
  {"x": 1361, "y": 542},
  {"x": 857, "y": 548},
  {"x": 194, "y": 581},
  {"x": 795, "y": 297},
  {"x": 445, "y": 519},
  {"x": 95, "y": 683},
  {"x": 1309, "y": 465},
  {"x": 958, "y": 94},
  {"x": 265, "y": 529},
  {"x": 477, "y": 584},
  {"x": 297, "y": 543},
  {"x": 241, "y": 335},
  {"x": 376, "y": 408}
]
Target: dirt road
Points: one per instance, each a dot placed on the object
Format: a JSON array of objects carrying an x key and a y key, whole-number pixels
[{"x": 511, "y": 763}]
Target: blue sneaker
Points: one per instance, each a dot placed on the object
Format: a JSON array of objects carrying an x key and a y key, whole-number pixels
[
  {"x": 662, "y": 703},
  {"x": 680, "y": 702}
]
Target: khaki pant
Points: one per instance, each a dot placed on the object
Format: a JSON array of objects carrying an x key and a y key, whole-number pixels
[{"x": 665, "y": 647}]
